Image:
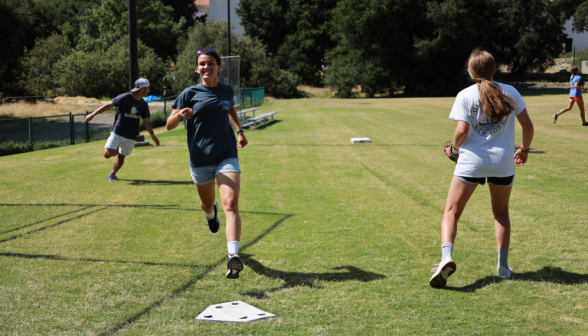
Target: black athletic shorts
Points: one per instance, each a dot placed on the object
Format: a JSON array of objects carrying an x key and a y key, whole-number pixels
[{"x": 497, "y": 181}]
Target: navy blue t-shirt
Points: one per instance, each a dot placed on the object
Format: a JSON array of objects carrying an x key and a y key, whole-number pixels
[
  {"x": 210, "y": 136},
  {"x": 128, "y": 112}
]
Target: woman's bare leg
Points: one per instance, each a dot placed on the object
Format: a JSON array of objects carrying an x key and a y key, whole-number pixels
[
  {"x": 207, "y": 196},
  {"x": 229, "y": 185},
  {"x": 500, "y": 199},
  {"x": 581, "y": 106},
  {"x": 457, "y": 198},
  {"x": 566, "y": 109}
]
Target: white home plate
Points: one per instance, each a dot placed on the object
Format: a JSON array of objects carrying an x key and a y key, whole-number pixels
[
  {"x": 360, "y": 140},
  {"x": 236, "y": 311}
]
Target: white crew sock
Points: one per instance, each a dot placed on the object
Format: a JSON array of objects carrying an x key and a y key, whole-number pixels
[
  {"x": 233, "y": 247},
  {"x": 503, "y": 259},
  {"x": 210, "y": 215},
  {"x": 446, "y": 252}
]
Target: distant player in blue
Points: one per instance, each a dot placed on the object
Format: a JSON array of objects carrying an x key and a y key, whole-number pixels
[
  {"x": 130, "y": 107},
  {"x": 576, "y": 84},
  {"x": 209, "y": 110}
]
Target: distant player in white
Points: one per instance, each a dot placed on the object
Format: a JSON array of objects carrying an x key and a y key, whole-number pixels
[{"x": 484, "y": 136}]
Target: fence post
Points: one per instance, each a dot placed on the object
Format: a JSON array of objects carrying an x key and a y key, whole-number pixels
[
  {"x": 165, "y": 108},
  {"x": 30, "y": 131},
  {"x": 71, "y": 132},
  {"x": 87, "y": 129}
]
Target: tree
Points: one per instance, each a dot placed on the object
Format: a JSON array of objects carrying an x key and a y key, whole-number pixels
[
  {"x": 182, "y": 9},
  {"x": 257, "y": 67},
  {"x": 19, "y": 26},
  {"x": 38, "y": 63},
  {"x": 103, "y": 25},
  {"x": 54, "y": 14},
  {"x": 105, "y": 73},
  {"x": 422, "y": 46},
  {"x": 297, "y": 31}
]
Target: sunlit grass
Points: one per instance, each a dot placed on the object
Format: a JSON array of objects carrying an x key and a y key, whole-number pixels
[{"x": 338, "y": 239}]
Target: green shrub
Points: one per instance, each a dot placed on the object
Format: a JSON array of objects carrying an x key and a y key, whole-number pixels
[
  {"x": 38, "y": 63},
  {"x": 97, "y": 73}
]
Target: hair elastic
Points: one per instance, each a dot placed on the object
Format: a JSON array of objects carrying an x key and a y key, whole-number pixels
[{"x": 483, "y": 79}]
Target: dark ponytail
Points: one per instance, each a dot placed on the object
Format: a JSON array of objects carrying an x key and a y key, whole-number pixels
[{"x": 493, "y": 101}]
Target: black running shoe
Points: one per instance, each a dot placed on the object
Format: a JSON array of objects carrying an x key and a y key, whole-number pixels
[
  {"x": 234, "y": 266},
  {"x": 585, "y": 124},
  {"x": 112, "y": 178},
  {"x": 554, "y": 118},
  {"x": 213, "y": 224}
]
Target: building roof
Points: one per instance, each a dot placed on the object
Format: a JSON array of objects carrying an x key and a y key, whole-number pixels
[{"x": 201, "y": 2}]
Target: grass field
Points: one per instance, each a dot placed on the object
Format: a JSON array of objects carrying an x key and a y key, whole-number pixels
[{"x": 338, "y": 239}]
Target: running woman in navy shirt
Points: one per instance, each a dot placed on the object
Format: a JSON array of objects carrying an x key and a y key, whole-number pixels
[
  {"x": 575, "y": 96},
  {"x": 209, "y": 110},
  {"x": 130, "y": 107}
]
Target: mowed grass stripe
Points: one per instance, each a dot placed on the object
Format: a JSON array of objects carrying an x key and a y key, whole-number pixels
[{"x": 337, "y": 239}]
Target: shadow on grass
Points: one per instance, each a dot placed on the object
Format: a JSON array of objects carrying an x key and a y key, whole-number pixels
[
  {"x": 547, "y": 274},
  {"x": 342, "y": 145},
  {"x": 269, "y": 123},
  {"x": 61, "y": 258},
  {"x": 295, "y": 279},
  {"x": 156, "y": 182}
]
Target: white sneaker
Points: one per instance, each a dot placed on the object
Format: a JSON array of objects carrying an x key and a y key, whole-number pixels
[
  {"x": 445, "y": 269},
  {"x": 505, "y": 273}
]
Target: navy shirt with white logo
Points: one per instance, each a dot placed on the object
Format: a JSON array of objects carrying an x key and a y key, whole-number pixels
[
  {"x": 128, "y": 114},
  {"x": 210, "y": 136}
]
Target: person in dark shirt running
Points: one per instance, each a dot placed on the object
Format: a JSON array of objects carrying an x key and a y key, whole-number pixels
[
  {"x": 209, "y": 110},
  {"x": 130, "y": 107}
]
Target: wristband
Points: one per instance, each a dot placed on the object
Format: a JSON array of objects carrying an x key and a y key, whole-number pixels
[
  {"x": 153, "y": 136},
  {"x": 454, "y": 151},
  {"x": 523, "y": 149},
  {"x": 240, "y": 131}
]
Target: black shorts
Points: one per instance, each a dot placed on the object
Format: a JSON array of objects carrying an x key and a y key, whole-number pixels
[{"x": 497, "y": 181}]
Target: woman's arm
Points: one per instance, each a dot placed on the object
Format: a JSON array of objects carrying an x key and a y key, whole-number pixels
[
  {"x": 176, "y": 116},
  {"x": 237, "y": 124},
  {"x": 528, "y": 131},
  {"x": 461, "y": 133}
]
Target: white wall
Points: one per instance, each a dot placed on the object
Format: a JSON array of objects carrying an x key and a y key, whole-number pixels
[
  {"x": 217, "y": 10},
  {"x": 580, "y": 41}
]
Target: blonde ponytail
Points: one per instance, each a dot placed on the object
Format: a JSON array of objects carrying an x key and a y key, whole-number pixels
[{"x": 493, "y": 101}]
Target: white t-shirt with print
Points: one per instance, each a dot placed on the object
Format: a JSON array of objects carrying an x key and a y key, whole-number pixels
[{"x": 488, "y": 150}]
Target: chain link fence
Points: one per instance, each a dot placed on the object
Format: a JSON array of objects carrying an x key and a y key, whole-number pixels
[
  {"x": 252, "y": 96},
  {"x": 47, "y": 132}
]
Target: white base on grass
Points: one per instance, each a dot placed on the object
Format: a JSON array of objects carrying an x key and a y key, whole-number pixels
[
  {"x": 141, "y": 143},
  {"x": 360, "y": 140},
  {"x": 235, "y": 311}
]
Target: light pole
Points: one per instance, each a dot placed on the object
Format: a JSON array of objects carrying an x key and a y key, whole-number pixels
[
  {"x": 133, "y": 63},
  {"x": 229, "y": 26}
]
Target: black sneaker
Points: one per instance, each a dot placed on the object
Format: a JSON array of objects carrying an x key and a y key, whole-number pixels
[
  {"x": 585, "y": 124},
  {"x": 554, "y": 119},
  {"x": 213, "y": 224},
  {"x": 234, "y": 266},
  {"x": 112, "y": 178}
]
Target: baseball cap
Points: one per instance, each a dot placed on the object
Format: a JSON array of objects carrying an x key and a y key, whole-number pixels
[{"x": 140, "y": 83}]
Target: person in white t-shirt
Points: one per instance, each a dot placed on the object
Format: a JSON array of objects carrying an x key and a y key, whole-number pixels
[{"x": 485, "y": 139}]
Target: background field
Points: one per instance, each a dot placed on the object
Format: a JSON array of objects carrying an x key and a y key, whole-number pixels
[{"x": 338, "y": 239}]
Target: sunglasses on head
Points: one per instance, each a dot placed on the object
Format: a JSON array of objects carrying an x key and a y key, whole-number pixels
[{"x": 202, "y": 50}]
